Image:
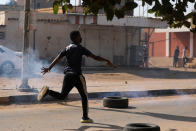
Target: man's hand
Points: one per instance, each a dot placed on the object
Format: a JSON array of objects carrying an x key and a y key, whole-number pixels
[
  {"x": 110, "y": 64},
  {"x": 45, "y": 70}
]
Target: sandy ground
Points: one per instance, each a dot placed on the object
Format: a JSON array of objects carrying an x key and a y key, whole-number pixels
[{"x": 122, "y": 79}]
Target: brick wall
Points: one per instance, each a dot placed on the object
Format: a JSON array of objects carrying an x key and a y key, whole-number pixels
[
  {"x": 20, "y": 2},
  {"x": 157, "y": 45},
  {"x": 180, "y": 39},
  {"x": 194, "y": 44}
]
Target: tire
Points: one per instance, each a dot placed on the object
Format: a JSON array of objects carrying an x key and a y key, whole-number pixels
[
  {"x": 7, "y": 67},
  {"x": 115, "y": 102},
  {"x": 141, "y": 127}
]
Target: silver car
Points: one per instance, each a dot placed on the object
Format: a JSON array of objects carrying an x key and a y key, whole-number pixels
[{"x": 9, "y": 60}]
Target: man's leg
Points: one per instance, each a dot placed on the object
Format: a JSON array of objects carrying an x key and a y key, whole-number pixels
[
  {"x": 81, "y": 86},
  {"x": 183, "y": 63},
  {"x": 42, "y": 93},
  {"x": 66, "y": 88},
  {"x": 175, "y": 62},
  {"x": 187, "y": 60}
]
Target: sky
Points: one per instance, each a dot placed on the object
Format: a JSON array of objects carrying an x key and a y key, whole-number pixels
[
  {"x": 142, "y": 11},
  {"x": 139, "y": 11},
  {"x": 3, "y": 2}
]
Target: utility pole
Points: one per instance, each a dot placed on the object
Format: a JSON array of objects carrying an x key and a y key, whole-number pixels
[
  {"x": 25, "y": 64},
  {"x": 34, "y": 30},
  {"x": 75, "y": 6},
  {"x": 35, "y": 5}
]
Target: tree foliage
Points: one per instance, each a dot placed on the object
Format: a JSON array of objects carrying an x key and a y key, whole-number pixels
[{"x": 172, "y": 11}]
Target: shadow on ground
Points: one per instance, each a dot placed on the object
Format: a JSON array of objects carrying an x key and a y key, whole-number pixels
[
  {"x": 32, "y": 99},
  {"x": 152, "y": 114},
  {"x": 97, "y": 125},
  {"x": 127, "y": 110},
  {"x": 156, "y": 73}
]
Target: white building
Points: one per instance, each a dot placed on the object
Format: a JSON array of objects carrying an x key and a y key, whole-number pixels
[{"x": 49, "y": 34}]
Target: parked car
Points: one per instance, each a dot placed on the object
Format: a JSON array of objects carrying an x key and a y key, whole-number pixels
[{"x": 9, "y": 60}]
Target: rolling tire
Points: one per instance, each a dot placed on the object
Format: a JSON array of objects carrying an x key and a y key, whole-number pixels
[
  {"x": 7, "y": 67},
  {"x": 141, "y": 127},
  {"x": 115, "y": 102}
]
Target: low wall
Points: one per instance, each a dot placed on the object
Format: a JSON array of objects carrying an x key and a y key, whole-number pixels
[{"x": 160, "y": 61}]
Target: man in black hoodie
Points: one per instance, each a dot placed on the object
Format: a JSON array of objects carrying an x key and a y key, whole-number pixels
[{"x": 73, "y": 74}]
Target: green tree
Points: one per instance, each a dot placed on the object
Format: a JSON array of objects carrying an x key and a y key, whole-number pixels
[{"x": 172, "y": 11}]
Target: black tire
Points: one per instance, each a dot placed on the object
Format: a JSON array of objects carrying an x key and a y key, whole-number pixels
[
  {"x": 7, "y": 67},
  {"x": 141, "y": 127},
  {"x": 115, "y": 102}
]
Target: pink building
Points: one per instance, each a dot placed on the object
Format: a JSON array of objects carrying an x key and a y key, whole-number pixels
[{"x": 162, "y": 42}]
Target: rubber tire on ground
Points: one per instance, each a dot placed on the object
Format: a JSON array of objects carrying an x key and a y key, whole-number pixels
[
  {"x": 3, "y": 71},
  {"x": 141, "y": 127},
  {"x": 115, "y": 102}
]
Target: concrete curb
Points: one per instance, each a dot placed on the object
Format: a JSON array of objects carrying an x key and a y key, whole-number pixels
[
  {"x": 31, "y": 99},
  {"x": 148, "y": 93},
  {"x": 4, "y": 100}
]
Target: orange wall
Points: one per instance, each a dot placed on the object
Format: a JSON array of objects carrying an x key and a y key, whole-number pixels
[
  {"x": 194, "y": 44},
  {"x": 180, "y": 39},
  {"x": 20, "y": 2},
  {"x": 157, "y": 45}
]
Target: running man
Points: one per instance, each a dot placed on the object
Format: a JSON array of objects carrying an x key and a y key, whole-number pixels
[{"x": 73, "y": 74}]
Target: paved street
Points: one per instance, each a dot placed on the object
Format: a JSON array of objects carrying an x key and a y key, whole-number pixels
[{"x": 175, "y": 113}]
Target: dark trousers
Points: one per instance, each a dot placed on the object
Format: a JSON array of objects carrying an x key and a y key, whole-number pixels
[
  {"x": 175, "y": 61},
  {"x": 73, "y": 80},
  {"x": 185, "y": 60}
]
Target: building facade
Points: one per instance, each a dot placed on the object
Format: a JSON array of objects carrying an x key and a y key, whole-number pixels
[
  {"x": 163, "y": 42},
  {"x": 37, "y": 4},
  {"x": 49, "y": 34}
]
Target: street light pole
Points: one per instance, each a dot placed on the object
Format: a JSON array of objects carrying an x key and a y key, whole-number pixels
[{"x": 25, "y": 64}]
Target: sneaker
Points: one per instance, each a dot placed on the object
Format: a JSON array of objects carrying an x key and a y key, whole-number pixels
[
  {"x": 42, "y": 93},
  {"x": 86, "y": 120}
]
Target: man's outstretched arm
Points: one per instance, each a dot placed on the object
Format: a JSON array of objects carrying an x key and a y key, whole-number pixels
[
  {"x": 47, "y": 69},
  {"x": 99, "y": 58}
]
